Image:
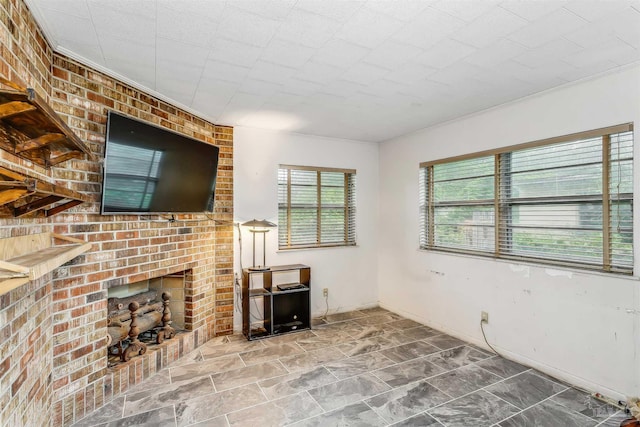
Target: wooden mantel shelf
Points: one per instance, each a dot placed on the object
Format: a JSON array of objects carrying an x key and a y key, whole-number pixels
[
  {"x": 21, "y": 196},
  {"x": 29, "y": 128},
  {"x": 26, "y": 258}
]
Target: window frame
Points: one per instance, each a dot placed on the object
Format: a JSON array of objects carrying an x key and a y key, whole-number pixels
[
  {"x": 503, "y": 205},
  {"x": 349, "y": 207}
]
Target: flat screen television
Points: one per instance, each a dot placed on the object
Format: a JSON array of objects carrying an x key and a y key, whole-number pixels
[{"x": 151, "y": 170}]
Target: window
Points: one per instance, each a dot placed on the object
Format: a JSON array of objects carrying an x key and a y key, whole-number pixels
[
  {"x": 564, "y": 201},
  {"x": 316, "y": 207}
]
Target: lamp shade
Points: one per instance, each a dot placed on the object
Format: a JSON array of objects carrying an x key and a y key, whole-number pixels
[
  {"x": 263, "y": 223},
  {"x": 259, "y": 227}
]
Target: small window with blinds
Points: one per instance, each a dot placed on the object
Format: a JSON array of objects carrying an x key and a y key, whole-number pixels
[
  {"x": 316, "y": 207},
  {"x": 564, "y": 201}
]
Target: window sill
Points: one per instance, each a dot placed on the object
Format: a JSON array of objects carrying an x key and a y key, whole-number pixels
[
  {"x": 552, "y": 267},
  {"x": 284, "y": 251}
]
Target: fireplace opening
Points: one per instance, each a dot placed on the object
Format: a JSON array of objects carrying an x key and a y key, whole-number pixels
[{"x": 143, "y": 314}]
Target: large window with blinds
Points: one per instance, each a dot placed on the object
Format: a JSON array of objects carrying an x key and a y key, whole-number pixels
[
  {"x": 563, "y": 201},
  {"x": 316, "y": 207}
]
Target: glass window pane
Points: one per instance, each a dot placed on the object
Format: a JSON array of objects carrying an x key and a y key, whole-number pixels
[
  {"x": 621, "y": 177},
  {"x": 332, "y": 195},
  {"x": 571, "y": 181},
  {"x": 478, "y": 215},
  {"x": 282, "y": 176},
  {"x": 466, "y": 237},
  {"x": 464, "y": 189},
  {"x": 621, "y": 145},
  {"x": 303, "y": 177},
  {"x": 550, "y": 215},
  {"x": 334, "y": 179},
  {"x": 557, "y": 155},
  {"x": 283, "y": 227},
  {"x": 622, "y": 233},
  {"x": 465, "y": 227},
  {"x": 568, "y": 245},
  {"x": 304, "y": 223},
  {"x": 307, "y": 195},
  {"x": 468, "y": 168},
  {"x": 332, "y": 229}
]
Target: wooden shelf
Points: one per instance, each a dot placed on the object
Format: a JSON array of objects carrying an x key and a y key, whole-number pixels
[
  {"x": 301, "y": 288},
  {"x": 282, "y": 311},
  {"x": 31, "y": 129},
  {"x": 26, "y": 258},
  {"x": 259, "y": 292},
  {"x": 21, "y": 196}
]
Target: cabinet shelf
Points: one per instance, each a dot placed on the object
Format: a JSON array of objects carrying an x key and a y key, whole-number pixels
[
  {"x": 26, "y": 258},
  {"x": 301, "y": 288},
  {"x": 259, "y": 292},
  {"x": 262, "y": 292},
  {"x": 31, "y": 129}
]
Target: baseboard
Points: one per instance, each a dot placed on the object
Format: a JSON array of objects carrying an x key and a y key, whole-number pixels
[
  {"x": 566, "y": 377},
  {"x": 344, "y": 309}
]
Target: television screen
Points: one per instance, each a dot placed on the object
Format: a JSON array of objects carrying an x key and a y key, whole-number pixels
[{"x": 148, "y": 169}]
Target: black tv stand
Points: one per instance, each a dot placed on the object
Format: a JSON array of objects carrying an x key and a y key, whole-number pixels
[{"x": 268, "y": 309}]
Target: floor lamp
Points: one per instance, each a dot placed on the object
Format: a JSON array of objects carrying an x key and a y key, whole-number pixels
[{"x": 262, "y": 227}]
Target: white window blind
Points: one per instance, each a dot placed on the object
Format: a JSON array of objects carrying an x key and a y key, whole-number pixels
[
  {"x": 316, "y": 207},
  {"x": 566, "y": 201}
]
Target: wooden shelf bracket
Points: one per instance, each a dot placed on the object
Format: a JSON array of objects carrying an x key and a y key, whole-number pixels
[
  {"x": 31, "y": 129},
  {"x": 21, "y": 196}
]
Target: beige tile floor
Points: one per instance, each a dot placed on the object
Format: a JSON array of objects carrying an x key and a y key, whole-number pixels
[{"x": 362, "y": 368}]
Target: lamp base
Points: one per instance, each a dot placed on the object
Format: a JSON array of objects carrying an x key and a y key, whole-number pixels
[{"x": 259, "y": 268}]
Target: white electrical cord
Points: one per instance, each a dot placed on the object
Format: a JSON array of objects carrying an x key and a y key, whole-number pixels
[
  {"x": 619, "y": 404},
  {"x": 326, "y": 301},
  {"x": 237, "y": 281}
]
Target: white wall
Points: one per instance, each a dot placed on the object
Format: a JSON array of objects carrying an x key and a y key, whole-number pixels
[
  {"x": 581, "y": 327},
  {"x": 349, "y": 273}
]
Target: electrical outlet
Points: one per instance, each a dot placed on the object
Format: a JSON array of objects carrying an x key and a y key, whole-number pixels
[
  {"x": 325, "y": 292},
  {"x": 484, "y": 317}
]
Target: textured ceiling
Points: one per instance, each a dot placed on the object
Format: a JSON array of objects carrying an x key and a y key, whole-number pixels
[{"x": 365, "y": 70}]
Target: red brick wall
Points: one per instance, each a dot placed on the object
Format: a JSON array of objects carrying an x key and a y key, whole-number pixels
[
  {"x": 26, "y": 341},
  {"x": 26, "y": 313},
  {"x": 25, "y": 56},
  {"x": 63, "y": 315}
]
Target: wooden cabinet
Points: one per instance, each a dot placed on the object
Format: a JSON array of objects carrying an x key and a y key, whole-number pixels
[{"x": 276, "y": 301}]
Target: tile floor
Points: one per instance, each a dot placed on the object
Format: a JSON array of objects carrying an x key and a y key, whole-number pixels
[{"x": 362, "y": 368}]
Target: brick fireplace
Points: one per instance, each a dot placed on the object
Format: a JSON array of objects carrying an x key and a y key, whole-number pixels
[{"x": 53, "y": 354}]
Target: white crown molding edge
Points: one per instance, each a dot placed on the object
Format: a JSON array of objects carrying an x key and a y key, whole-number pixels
[{"x": 57, "y": 48}]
